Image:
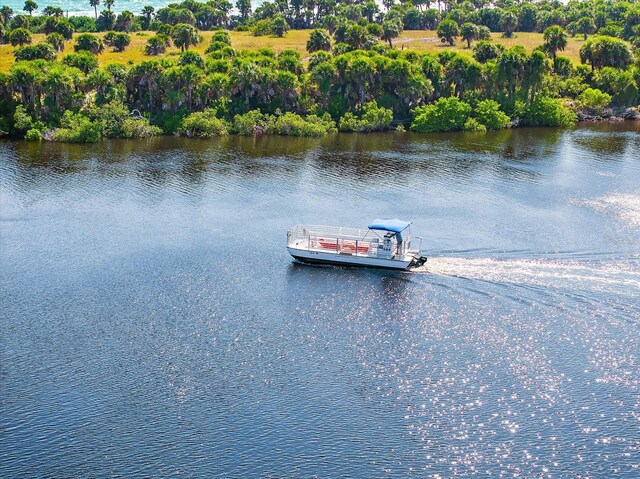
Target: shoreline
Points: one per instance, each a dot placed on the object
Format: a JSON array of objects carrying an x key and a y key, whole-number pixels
[
  {"x": 583, "y": 121},
  {"x": 610, "y": 115}
]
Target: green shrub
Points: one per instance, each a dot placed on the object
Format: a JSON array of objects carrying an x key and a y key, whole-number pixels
[
  {"x": 620, "y": 84},
  {"x": 594, "y": 100},
  {"x": 222, "y": 37},
  {"x": 22, "y": 121},
  {"x": 65, "y": 28},
  {"x": 82, "y": 60},
  {"x": 19, "y": 37},
  {"x": 39, "y": 51},
  {"x": 446, "y": 114},
  {"x": 33, "y": 135},
  {"x": 474, "y": 125},
  {"x": 611, "y": 31},
  {"x": 116, "y": 122},
  {"x": 56, "y": 41},
  {"x": 488, "y": 113},
  {"x": 83, "y": 23},
  {"x": 279, "y": 26},
  {"x": 262, "y": 27},
  {"x": 226, "y": 52},
  {"x": 484, "y": 51},
  {"x": 373, "y": 118},
  {"x": 169, "y": 121},
  {"x": 448, "y": 30},
  {"x": 215, "y": 46},
  {"x": 203, "y": 124},
  {"x": 139, "y": 128},
  {"x": 119, "y": 41},
  {"x": 77, "y": 128},
  {"x": 253, "y": 122},
  {"x": 340, "y": 49},
  {"x": 291, "y": 124},
  {"x": 545, "y": 111},
  {"x": 318, "y": 58},
  {"x": 157, "y": 44},
  {"x": 89, "y": 43}
]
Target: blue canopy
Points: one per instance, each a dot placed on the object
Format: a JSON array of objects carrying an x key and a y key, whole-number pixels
[{"x": 395, "y": 225}]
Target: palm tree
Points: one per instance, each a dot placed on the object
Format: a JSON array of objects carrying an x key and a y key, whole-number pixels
[
  {"x": 90, "y": 43},
  {"x": 7, "y": 14},
  {"x": 279, "y": 26},
  {"x": 369, "y": 9},
  {"x": 102, "y": 80},
  {"x": 586, "y": 26},
  {"x": 319, "y": 40},
  {"x": 605, "y": 52},
  {"x": 244, "y": 7},
  {"x": 510, "y": 69},
  {"x": 109, "y": 4},
  {"x": 182, "y": 79},
  {"x": 534, "y": 71},
  {"x": 124, "y": 21},
  {"x": 94, "y": 4},
  {"x": 147, "y": 13},
  {"x": 184, "y": 36},
  {"x": 26, "y": 79},
  {"x": 323, "y": 75},
  {"x": 464, "y": 73},
  {"x": 145, "y": 76},
  {"x": 391, "y": 29},
  {"x": 30, "y": 6},
  {"x": 50, "y": 11},
  {"x": 509, "y": 22},
  {"x": 448, "y": 31},
  {"x": 555, "y": 39},
  {"x": 56, "y": 84},
  {"x": 56, "y": 41},
  {"x": 19, "y": 37},
  {"x": 469, "y": 32},
  {"x": 156, "y": 45}
]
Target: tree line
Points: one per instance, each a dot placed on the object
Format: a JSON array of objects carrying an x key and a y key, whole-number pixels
[{"x": 353, "y": 78}]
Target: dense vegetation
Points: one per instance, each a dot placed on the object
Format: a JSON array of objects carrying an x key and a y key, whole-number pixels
[{"x": 354, "y": 77}]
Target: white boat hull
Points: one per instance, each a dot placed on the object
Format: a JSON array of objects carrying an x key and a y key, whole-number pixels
[{"x": 311, "y": 256}]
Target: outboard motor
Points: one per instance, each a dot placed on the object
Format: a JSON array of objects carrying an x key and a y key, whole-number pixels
[{"x": 420, "y": 261}]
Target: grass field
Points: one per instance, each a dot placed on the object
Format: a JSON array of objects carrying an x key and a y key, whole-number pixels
[{"x": 420, "y": 40}]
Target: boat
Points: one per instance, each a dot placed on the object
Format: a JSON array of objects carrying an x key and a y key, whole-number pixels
[{"x": 386, "y": 243}]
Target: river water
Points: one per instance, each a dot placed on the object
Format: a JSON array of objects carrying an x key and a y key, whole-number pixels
[{"x": 153, "y": 324}]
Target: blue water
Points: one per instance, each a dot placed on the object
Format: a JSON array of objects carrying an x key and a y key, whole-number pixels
[
  {"x": 153, "y": 324},
  {"x": 82, "y": 7}
]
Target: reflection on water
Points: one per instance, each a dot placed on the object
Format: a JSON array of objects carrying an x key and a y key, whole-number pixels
[{"x": 154, "y": 325}]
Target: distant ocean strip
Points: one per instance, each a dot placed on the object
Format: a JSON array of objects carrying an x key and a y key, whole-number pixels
[{"x": 76, "y": 8}]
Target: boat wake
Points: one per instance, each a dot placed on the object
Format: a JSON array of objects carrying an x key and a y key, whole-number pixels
[
  {"x": 612, "y": 277},
  {"x": 625, "y": 207}
]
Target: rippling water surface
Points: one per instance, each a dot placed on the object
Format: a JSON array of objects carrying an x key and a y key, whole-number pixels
[
  {"x": 83, "y": 7},
  {"x": 153, "y": 324}
]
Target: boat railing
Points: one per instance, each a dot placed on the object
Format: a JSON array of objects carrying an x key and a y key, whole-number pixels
[
  {"x": 304, "y": 231},
  {"x": 420, "y": 243},
  {"x": 340, "y": 240}
]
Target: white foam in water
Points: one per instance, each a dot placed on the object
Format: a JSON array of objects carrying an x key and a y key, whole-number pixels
[
  {"x": 625, "y": 206},
  {"x": 612, "y": 277}
]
